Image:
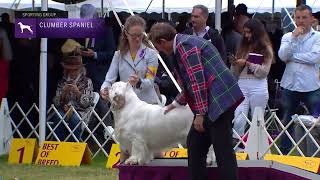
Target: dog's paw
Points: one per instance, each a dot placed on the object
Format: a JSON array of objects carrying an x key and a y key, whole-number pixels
[
  {"x": 211, "y": 158},
  {"x": 133, "y": 160},
  {"x": 136, "y": 160},
  {"x": 210, "y": 161}
]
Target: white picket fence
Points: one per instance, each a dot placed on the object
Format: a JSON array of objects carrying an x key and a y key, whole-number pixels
[
  {"x": 262, "y": 135},
  {"x": 97, "y": 140}
]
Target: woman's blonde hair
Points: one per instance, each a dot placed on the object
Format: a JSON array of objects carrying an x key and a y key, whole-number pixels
[{"x": 130, "y": 22}]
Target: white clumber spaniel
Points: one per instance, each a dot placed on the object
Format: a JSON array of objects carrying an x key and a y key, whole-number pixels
[{"x": 143, "y": 129}]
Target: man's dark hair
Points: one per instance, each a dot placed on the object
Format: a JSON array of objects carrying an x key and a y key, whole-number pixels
[
  {"x": 5, "y": 17},
  {"x": 241, "y": 9},
  {"x": 162, "y": 31},
  {"x": 303, "y": 7}
]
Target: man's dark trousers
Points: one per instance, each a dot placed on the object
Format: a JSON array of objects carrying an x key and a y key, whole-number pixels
[{"x": 219, "y": 134}]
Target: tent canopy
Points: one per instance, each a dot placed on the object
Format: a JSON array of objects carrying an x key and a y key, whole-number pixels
[
  {"x": 28, "y": 4},
  {"x": 186, "y": 5},
  {"x": 156, "y": 5},
  {"x": 170, "y": 5}
]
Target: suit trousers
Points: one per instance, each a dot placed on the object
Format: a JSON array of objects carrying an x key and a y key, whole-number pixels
[{"x": 219, "y": 134}]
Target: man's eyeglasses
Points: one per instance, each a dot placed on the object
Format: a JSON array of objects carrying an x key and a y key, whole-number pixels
[{"x": 135, "y": 35}]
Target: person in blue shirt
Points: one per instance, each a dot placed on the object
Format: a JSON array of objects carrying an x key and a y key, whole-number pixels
[{"x": 300, "y": 50}]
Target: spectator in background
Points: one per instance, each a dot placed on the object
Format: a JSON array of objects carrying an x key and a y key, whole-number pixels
[
  {"x": 199, "y": 19},
  {"x": 149, "y": 24},
  {"x": 97, "y": 54},
  {"x": 300, "y": 50},
  {"x": 240, "y": 17},
  {"x": 231, "y": 38},
  {"x": 315, "y": 24},
  {"x": 5, "y": 58},
  {"x": 6, "y": 54},
  {"x": 116, "y": 28},
  {"x": 252, "y": 76},
  {"x": 24, "y": 69},
  {"x": 183, "y": 23},
  {"x": 276, "y": 71},
  {"x": 74, "y": 89},
  {"x": 8, "y": 27},
  {"x": 54, "y": 69},
  {"x": 134, "y": 62},
  {"x": 163, "y": 80}
]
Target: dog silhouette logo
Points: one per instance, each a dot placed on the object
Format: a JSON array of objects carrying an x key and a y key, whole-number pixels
[{"x": 27, "y": 27}]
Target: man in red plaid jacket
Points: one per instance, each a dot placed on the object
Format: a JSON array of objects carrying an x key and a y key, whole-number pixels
[{"x": 212, "y": 94}]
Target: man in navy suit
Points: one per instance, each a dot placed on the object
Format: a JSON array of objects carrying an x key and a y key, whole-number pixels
[
  {"x": 199, "y": 18},
  {"x": 97, "y": 54}
]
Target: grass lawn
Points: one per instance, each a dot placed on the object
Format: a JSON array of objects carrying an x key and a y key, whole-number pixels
[{"x": 96, "y": 170}]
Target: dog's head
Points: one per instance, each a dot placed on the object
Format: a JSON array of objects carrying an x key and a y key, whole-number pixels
[{"x": 117, "y": 94}]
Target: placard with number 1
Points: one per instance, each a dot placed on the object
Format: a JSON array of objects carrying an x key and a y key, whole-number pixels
[{"x": 22, "y": 151}]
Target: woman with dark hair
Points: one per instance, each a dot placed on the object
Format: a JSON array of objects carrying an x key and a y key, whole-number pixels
[
  {"x": 252, "y": 65},
  {"x": 231, "y": 38}
]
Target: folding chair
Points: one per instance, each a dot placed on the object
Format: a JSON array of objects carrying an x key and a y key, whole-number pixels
[
  {"x": 109, "y": 131},
  {"x": 86, "y": 118}
]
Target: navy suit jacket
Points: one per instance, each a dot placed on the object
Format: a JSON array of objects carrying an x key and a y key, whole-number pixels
[{"x": 98, "y": 68}]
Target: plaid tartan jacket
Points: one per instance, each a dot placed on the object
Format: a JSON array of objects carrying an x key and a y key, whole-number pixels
[{"x": 208, "y": 85}]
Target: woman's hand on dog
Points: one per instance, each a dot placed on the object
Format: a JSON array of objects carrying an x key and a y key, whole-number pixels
[
  {"x": 104, "y": 93},
  {"x": 133, "y": 79},
  {"x": 169, "y": 108}
]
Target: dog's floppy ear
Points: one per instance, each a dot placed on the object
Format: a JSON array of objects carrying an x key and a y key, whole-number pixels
[
  {"x": 128, "y": 86},
  {"x": 118, "y": 102}
]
